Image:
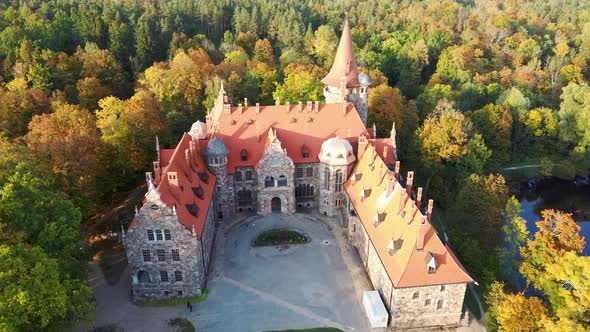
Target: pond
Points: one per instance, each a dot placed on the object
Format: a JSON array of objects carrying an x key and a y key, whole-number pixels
[{"x": 560, "y": 195}]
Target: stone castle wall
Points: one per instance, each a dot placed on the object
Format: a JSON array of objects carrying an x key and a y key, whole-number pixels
[
  {"x": 313, "y": 180},
  {"x": 406, "y": 310},
  {"x": 330, "y": 200},
  {"x": 242, "y": 182},
  {"x": 147, "y": 284},
  {"x": 276, "y": 163},
  {"x": 224, "y": 191}
]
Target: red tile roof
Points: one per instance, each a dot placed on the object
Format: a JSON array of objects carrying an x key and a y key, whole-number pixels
[
  {"x": 401, "y": 227},
  {"x": 186, "y": 183},
  {"x": 246, "y": 128},
  {"x": 344, "y": 66}
]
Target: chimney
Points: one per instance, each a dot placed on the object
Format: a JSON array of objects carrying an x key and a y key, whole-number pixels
[
  {"x": 300, "y": 106},
  {"x": 245, "y": 102},
  {"x": 187, "y": 159},
  {"x": 390, "y": 184},
  {"x": 191, "y": 147},
  {"x": 419, "y": 197},
  {"x": 157, "y": 171},
  {"x": 409, "y": 182},
  {"x": 309, "y": 106},
  {"x": 148, "y": 178},
  {"x": 362, "y": 146},
  {"x": 287, "y": 106},
  {"x": 343, "y": 88},
  {"x": 385, "y": 153},
  {"x": 344, "y": 107},
  {"x": 257, "y": 107},
  {"x": 397, "y": 169},
  {"x": 240, "y": 108},
  {"x": 430, "y": 206},
  {"x": 317, "y": 106},
  {"x": 421, "y": 234},
  {"x": 227, "y": 108}
]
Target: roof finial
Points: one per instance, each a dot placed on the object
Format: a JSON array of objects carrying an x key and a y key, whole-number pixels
[
  {"x": 374, "y": 130},
  {"x": 173, "y": 209},
  {"x": 193, "y": 230},
  {"x": 158, "y": 147}
]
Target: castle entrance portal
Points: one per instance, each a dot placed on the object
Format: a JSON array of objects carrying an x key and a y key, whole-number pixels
[{"x": 275, "y": 204}]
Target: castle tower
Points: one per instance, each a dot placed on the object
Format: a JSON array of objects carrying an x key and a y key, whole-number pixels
[
  {"x": 336, "y": 160},
  {"x": 216, "y": 154},
  {"x": 343, "y": 81}
]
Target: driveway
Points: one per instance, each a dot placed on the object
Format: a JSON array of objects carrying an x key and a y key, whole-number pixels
[{"x": 273, "y": 288}]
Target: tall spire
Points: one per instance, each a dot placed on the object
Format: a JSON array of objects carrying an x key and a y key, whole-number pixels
[{"x": 344, "y": 63}]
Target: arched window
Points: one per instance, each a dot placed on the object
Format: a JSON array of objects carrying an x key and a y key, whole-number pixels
[
  {"x": 143, "y": 277},
  {"x": 416, "y": 295},
  {"x": 338, "y": 181},
  {"x": 269, "y": 181},
  {"x": 439, "y": 304},
  {"x": 282, "y": 181},
  {"x": 327, "y": 178}
]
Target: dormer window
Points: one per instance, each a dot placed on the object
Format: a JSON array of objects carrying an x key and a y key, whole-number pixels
[
  {"x": 431, "y": 263},
  {"x": 244, "y": 155},
  {"x": 380, "y": 217},
  {"x": 304, "y": 151}
]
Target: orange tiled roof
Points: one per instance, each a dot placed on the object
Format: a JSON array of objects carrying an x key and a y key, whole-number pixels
[
  {"x": 344, "y": 66},
  {"x": 195, "y": 184},
  {"x": 394, "y": 225},
  {"x": 247, "y": 128}
]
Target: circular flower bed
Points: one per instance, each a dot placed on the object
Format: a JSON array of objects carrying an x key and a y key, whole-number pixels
[{"x": 275, "y": 237}]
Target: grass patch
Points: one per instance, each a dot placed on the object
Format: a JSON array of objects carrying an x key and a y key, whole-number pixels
[
  {"x": 181, "y": 325},
  {"x": 317, "y": 329},
  {"x": 173, "y": 302},
  {"x": 276, "y": 237}
]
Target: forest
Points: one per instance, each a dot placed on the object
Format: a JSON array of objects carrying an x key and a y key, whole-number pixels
[{"x": 473, "y": 87}]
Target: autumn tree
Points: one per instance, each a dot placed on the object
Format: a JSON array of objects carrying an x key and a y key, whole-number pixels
[
  {"x": 445, "y": 134},
  {"x": 514, "y": 236},
  {"x": 385, "y": 108},
  {"x": 574, "y": 112},
  {"x": 519, "y": 313},
  {"x": 558, "y": 234},
  {"x": 325, "y": 43},
  {"x": 66, "y": 142},
  {"x": 494, "y": 123},
  {"x": 302, "y": 83}
]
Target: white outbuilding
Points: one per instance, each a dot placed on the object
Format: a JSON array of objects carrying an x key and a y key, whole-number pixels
[{"x": 375, "y": 310}]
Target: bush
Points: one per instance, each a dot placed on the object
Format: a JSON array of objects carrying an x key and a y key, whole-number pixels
[
  {"x": 566, "y": 170},
  {"x": 546, "y": 167}
]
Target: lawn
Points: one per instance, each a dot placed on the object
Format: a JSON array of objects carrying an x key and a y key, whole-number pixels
[
  {"x": 173, "y": 302},
  {"x": 276, "y": 237}
]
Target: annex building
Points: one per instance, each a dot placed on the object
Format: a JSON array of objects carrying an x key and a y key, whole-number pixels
[{"x": 276, "y": 159}]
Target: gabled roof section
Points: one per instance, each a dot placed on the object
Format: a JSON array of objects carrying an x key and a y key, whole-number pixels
[
  {"x": 393, "y": 224},
  {"x": 180, "y": 185},
  {"x": 344, "y": 67},
  {"x": 248, "y": 128}
]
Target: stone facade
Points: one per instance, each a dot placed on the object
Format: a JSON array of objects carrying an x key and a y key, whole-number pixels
[
  {"x": 246, "y": 189},
  {"x": 332, "y": 194},
  {"x": 224, "y": 191},
  {"x": 413, "y": 307},
  {"x": 306, "y": 180},
  {"x": 276, "y": 189},
  {"x": 159, "y": 248}
]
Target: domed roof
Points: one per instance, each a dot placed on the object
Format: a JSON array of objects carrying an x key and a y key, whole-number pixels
[
  {"x": 364, "y": 79},
  {"x": 336, "y": 151},
  {"x": 215, "y": 147},
  {"x": 199, "y": 130}
]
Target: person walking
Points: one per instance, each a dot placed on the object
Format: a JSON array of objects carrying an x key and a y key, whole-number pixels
[{"x": 188, "y": 305}]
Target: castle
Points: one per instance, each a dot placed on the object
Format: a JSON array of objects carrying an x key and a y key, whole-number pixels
[{"x": 279, "y": 158}]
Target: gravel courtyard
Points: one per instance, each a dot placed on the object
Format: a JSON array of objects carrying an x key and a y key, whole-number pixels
[{"x": 271, "y": 288}]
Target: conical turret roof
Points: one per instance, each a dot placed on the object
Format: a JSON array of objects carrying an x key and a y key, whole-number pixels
[{"x": 344, "y": 66}]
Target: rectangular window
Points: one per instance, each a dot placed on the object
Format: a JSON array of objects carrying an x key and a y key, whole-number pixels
[
  {"x": 150, "y": 235},
  {"x": 238, "y": 176},
  {"x": 310, "y": 171},
  {"x": 176, "y": 255},
  {"x": 147, "y": 257},
  {"x": 442, "y": 288},
  {"x": 248, "y": 175},
  {"x": 299, "y": 172},
  {"x": 159, "y": 235},
  {"x": 166, "y": 293},
  {"x": 440, "y": 304},
  {"x": 164, "y": 276},
  {"x": 178, "y": 275},
  {"x": 167, "y": 235},
  {"x": 161, "y": 255},
  {"x": 179, "y": 293},
  {"x": 427, "y": 302}
]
